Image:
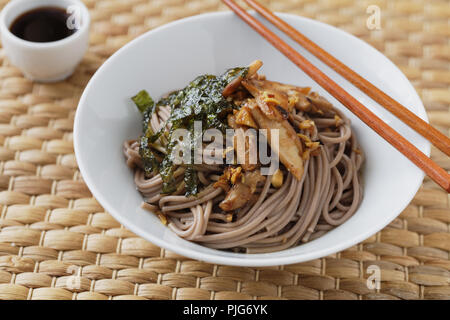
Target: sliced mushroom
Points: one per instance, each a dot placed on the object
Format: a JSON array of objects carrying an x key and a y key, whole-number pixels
[
  {"x": 242, "y": 157},
  {"x": 242, "y": 192},
  {"x": 244, "y": 118},
  {"x": 289, "y": 147},
  {"x": 233, "y": 85},
  {"x": 271, "y": 94},
  {"x": 319, "y": 102},
  {"x": 267, "y": 94}
]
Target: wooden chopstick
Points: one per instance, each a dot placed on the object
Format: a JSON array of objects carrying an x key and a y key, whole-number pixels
[
  {"x": 437, "y": 138},
  {"x": 439, "y": 175}
]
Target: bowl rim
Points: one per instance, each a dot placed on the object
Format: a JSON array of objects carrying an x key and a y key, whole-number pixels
[{"x": 260, "y": 260}]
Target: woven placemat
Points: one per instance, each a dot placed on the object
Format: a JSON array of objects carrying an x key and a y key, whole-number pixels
[{"x": 56, "y": 241}]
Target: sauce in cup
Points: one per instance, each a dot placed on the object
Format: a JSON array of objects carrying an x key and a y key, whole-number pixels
[{"x": 44, "y": 24}]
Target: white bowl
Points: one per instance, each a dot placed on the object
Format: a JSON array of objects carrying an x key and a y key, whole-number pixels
[{"x": 169, "y": 57}]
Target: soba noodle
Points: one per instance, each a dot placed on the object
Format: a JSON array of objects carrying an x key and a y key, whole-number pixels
[{"x": 327, "y": 195}]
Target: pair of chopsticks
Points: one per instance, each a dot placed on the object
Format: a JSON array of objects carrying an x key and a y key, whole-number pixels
[{"x": 439, "y": 175}]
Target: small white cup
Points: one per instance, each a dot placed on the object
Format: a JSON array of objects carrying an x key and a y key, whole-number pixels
[{"x": 45, "y": 61}]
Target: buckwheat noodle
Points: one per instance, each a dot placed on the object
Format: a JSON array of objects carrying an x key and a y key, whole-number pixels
[{"x": 328, "y": 194}]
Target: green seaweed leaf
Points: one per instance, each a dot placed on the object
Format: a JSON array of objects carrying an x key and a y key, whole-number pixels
[
  {"x": 143, "y": 101},
  {"x": 201, "y": 100}
]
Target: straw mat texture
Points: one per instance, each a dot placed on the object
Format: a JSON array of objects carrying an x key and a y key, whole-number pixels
[{"x": 56, "y": 241}]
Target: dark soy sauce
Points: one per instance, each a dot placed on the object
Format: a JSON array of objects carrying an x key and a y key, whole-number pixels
[{"x": 44, "y": 24}]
